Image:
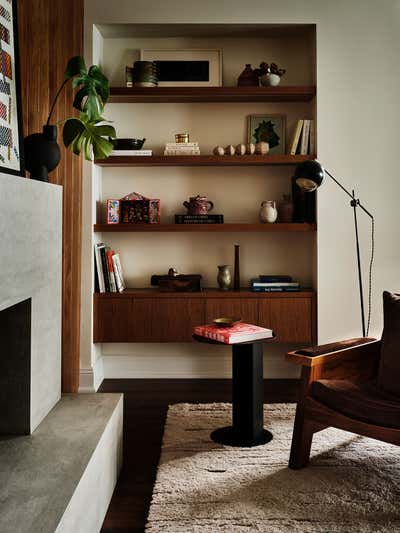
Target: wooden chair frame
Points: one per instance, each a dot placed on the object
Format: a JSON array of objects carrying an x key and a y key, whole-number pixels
[{"x": 357, "y": 363}]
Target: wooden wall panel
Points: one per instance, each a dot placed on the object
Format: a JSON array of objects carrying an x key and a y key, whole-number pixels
[{"x": 50, "y": 32}]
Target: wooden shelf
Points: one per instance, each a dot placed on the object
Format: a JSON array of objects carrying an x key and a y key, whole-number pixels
[
  {"x": 205, "y": 228},
  {"x": 152, "y": 95},
  {"x": 205, "y": 293},
  {"x": 202, "y": 160}
]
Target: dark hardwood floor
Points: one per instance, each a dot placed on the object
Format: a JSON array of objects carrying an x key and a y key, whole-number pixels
[{"x": 145, "y": 407}]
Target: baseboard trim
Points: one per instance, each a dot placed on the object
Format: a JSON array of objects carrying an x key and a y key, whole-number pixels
[
  {"x": 90, "y": 379},
  {"x": 207, "y": 367}
]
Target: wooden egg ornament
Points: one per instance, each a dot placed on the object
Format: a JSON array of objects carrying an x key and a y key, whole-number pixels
[
  {"x": 230, "y": 150},
  {"x": 219, "y": 150},
  {"x": 250, "y": 148},
  {"x": 262, "y": 148},
  {"x": 240, "y": 149}
]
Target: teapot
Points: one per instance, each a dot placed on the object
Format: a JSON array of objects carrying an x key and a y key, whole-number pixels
[{"x": 198, "y": 205}]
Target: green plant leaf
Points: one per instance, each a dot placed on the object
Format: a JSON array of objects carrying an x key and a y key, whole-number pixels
[
  {"x": 72, "y": 128},
  {"x": 76, "y": 65}
]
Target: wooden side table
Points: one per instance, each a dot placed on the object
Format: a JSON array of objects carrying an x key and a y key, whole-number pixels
[{"x": 247, "y": 428}]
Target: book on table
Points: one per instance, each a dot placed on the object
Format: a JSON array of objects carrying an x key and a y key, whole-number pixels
[{"x": 239, "y": 332}]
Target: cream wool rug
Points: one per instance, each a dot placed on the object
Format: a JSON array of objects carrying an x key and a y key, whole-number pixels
[{"x": 351, "y": 485}]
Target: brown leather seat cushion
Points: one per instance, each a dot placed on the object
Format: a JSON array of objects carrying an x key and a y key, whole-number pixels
[
  {"x": 389, "y": 368},
  {"x": 363, "y": 402}
]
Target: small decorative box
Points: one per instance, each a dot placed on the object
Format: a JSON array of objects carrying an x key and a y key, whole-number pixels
[
  {"x": 113, "y": 211},
  {"x": 137, "y": 209}
]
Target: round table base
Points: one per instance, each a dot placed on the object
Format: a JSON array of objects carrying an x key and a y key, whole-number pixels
[{"x": 229, "y": 437}]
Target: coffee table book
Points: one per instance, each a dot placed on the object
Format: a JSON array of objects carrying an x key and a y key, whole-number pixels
[{"x": 237, "y": 333}]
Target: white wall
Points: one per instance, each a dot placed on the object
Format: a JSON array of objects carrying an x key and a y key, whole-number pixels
[{"x": 357, "y": 79}]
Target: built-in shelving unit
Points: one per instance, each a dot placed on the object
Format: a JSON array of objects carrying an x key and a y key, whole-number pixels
[
  {"x": 205, "y": 293},
  {"x": 151, "y": 95},
  {"x": 202, "y": 160},
  {"x": 204, "y": 228}
]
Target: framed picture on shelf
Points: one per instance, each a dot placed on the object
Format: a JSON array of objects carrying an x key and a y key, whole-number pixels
[
  {"x": 11, "y": 135},
  {"x": 186, "y": 68},
  {"x": 268, "y": 128}
]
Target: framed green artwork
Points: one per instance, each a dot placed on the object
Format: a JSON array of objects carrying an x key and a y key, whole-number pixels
[{"x": 270, "y": 129}]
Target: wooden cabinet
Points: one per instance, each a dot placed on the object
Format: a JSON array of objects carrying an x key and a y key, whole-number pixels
[{"x": 150, "y": 316}]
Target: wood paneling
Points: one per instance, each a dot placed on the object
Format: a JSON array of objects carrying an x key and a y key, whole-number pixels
[
  {"x": 145, "y": 317},
  {"x": 244, "y": 308},
  {"x": 290, "y": 318},
  {"x": 50, "y": 33}
]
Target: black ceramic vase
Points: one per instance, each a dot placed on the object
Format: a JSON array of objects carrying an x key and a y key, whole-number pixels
[{"x": 42, "y": 153}]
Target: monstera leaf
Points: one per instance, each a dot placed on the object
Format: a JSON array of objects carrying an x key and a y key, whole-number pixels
[
  {"x": 88, "y": 135},
  {"x": 265, "y": 132}
]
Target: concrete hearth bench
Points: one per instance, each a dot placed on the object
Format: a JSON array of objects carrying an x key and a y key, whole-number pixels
[{"x": 61, "y": 477}]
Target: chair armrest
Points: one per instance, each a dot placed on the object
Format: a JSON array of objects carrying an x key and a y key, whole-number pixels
[{"x": 334, "y": 352}]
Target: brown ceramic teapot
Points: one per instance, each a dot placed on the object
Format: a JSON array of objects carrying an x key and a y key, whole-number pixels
[{"x": 198, "y": 205}]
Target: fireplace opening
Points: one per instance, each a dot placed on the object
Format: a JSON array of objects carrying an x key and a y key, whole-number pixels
[{"x": 15, "y": 369}]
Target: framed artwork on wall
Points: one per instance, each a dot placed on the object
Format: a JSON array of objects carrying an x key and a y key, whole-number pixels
[
  {"x": 11, "y": 135},
  {"x": 186, "y": 68},
  {"x": 269, "y": 128}
]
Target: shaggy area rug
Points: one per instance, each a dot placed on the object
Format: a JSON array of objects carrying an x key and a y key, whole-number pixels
[{"x": 351, "y": 485}]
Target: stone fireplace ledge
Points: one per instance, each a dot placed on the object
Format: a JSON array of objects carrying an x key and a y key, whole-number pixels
[{"x": 61, "y": 478}]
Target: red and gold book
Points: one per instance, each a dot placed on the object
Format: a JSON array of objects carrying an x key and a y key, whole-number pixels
[{"x": 239, "y": 332}]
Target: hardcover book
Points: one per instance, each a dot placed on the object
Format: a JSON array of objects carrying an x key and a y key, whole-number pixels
[
  {"x": 199, "y": 219},
  {"x": 240, "y": 332}
]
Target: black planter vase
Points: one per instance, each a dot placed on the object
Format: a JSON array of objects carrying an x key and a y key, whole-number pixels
[{"x": 42, "y": 153}]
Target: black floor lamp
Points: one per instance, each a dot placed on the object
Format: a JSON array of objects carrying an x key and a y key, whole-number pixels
[{"x": 309, "y": 176}]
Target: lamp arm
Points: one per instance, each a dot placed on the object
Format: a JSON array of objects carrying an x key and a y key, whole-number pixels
[{"x": 351, "y": 195}]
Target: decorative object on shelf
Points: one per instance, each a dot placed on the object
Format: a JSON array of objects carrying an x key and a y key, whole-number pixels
[
  {"x": 226, "y": 322},
  {"x": 250, "y": 148},
  {"x": 11, "y": 133},
  {"x": 285, "y": 209},
  {"x": 174, "y": 282},
  {"x": 262, "y": 148},
  {"x": 181, "y": 137},
  {"x": 86, "y": 132},
  {"x": 219, "y": 150},
  {"x": 127, "y": 144},
  {"x": 224, "y": 277},
  {"x": 186, "y": 68},
  {"x": 113, "y": 211},
  {"x": 236, "y": 269},
  {"x": 304, "y": 204},
  {"x": 138, "y": 209},
  {"x": 309, "y": 175},
  {"x": 199, "y": 219},
  {"x": 268, "y": 128},
  {"x": 270, "y": 75},
  {"x": 268, "y": 212},
  {"x": 230, "y": 150},
  {"x": 248, "y": 78},
  {"x": 240, "y": 149},
  {"x": 198, "y": 205},
  {"x": 145, "y": 74},
  {"x": 181, "y": 146},
  {"x": 129, "y": 76}
]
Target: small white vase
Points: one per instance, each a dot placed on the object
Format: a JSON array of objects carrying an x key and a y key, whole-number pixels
[
  {"x": 270, "y": 80},
  {"x": 268, "y": 212}
]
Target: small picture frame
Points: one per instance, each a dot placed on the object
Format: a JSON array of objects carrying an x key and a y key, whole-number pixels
[
  {"x": 187, "y": 67},
  {"x": 270, "y": 128},
  {"x": 113, "y": 211}
]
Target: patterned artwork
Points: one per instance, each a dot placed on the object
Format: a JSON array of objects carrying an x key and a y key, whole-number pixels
[{"x": 10, "y": 113}]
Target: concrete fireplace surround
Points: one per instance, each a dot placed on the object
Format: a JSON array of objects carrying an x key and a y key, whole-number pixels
[
  {"x": 30, "y": 267},
  {"x": 59, "y": 456}
]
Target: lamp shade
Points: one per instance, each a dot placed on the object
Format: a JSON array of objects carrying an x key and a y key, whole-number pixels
[{"x": 309, "y": 175}]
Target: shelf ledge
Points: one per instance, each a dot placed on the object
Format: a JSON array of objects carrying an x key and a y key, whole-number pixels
[{"x": 205, "y": 228}]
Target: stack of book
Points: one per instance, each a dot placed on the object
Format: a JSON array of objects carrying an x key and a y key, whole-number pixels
[
  {"x": 108, "y": 277},
  {"x": 274, "y": 284},
  {"x": 199, "y": 219},
  {"x": 303, "y": 139},
  {"x": 131, "y": 152},
  {"x": 239, "y": 332},
  {"x": 182, "y": 149}
]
